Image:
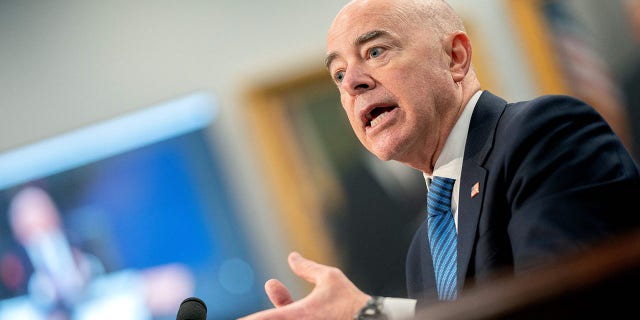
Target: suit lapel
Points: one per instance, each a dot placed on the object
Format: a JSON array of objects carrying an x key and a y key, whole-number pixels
[{"x": 474, "y": 176}]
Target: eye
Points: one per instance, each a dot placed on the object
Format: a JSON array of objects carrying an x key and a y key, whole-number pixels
[
  {"x": 339, "y": 76},
  {"x": 375, "y": 52}
]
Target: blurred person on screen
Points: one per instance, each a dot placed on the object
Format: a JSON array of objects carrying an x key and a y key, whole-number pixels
[
  {"x": 68, "y": 283},
  {"x": 61, "y": 272},
  {"x": 532, "y": 180}
]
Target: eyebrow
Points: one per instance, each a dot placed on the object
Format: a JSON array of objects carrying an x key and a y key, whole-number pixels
[{"x": 362, "y": 39}]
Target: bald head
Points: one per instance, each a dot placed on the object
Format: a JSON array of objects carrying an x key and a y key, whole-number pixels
[
  {"x": 431, "y": 14},
  {"x": 403, "y": 69},
  {"x": 435, "y": 17}
]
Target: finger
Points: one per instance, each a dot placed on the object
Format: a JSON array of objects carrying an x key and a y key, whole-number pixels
[
  {"x": 277, "y": 293},
  {"x": 304, "y": 268}
]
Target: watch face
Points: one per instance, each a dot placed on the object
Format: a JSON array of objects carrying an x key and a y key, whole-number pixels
[{"x": 372, "y": 310}]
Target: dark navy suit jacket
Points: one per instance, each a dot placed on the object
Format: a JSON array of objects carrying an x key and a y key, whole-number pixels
[{"x": 553, "y": 177}]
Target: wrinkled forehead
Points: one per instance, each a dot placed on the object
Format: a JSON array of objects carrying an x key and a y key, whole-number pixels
[
  {"x": 362, "y": 16},
  {"x": 355, "y": 22},
  {"x": 357, "y": 19}
]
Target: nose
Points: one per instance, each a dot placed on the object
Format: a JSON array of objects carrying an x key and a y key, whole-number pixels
[{"x": 356, "y": 81}]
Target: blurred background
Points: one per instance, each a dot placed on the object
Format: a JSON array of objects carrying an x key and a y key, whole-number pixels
[{"x": 186, "y": 147}]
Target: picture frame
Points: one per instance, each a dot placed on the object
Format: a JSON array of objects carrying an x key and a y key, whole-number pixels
[
  {"x": 337, "y": 203},
  {"x": 563, "y": 60}
]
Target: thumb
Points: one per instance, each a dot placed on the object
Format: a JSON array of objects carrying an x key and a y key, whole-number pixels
[{"x": 278, "y": 293}]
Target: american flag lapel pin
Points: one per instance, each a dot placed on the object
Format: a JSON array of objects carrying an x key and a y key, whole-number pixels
[{"x": 475, "y": 189}]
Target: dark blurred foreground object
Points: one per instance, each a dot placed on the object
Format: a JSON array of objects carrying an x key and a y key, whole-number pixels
[
  {"x": 192, "y": 309},
  {"x": 601, "y": 282}
]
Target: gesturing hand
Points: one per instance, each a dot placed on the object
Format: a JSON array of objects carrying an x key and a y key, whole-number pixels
[{"x": 334, "y": 296}]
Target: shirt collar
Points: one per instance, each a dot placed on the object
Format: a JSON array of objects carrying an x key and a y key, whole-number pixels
[{"x": 449, "y": 163}]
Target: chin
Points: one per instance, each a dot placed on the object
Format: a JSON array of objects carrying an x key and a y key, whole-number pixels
[
  {"x": 384, "y": 154},
  {"x": 383, "y": 157}
]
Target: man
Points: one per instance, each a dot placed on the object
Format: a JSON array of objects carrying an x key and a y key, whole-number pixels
[{"x": 532, "y": 181}]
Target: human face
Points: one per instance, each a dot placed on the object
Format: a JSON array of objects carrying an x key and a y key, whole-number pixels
[{"x": 394, "y": 81}]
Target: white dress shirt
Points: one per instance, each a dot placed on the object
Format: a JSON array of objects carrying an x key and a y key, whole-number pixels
[{"x": 449, "y": 165}]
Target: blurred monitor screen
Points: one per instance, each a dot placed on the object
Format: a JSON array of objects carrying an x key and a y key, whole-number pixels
[{"x": 124, "y": 219}]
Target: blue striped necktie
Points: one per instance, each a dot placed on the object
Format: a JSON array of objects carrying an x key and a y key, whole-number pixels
[{"x": 442, "y": 236}]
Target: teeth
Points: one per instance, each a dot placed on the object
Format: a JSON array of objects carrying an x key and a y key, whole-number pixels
[{"x": 379, "y": 118}]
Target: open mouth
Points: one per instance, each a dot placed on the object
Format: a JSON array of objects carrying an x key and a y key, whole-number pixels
[{"x": 377, "y": 114}]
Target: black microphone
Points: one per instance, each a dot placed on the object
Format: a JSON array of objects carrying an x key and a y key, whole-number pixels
[{"x": 192, "y": 309}]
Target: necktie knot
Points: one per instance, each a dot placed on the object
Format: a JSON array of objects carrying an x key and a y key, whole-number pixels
[{"x": 439, "y": 197}]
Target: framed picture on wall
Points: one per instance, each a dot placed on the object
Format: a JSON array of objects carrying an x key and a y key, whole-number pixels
[
  {"x": 338, "y": 203},
  {"x": 564, "y": 60}
]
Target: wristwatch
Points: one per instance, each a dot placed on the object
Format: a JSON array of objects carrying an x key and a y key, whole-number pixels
[{"x": 372, "y": 310}]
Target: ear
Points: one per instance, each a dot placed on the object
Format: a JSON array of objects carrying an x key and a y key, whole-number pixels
[{"x": 460, "y": 55}]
